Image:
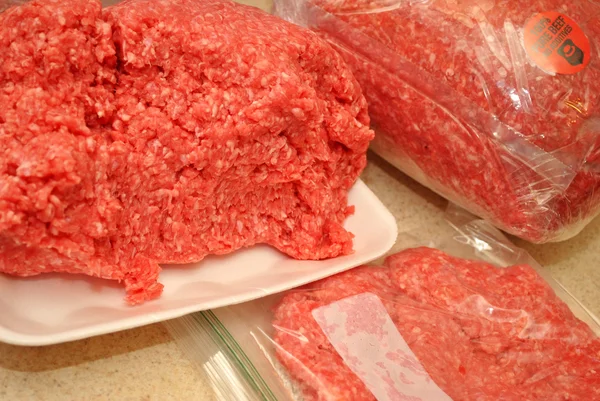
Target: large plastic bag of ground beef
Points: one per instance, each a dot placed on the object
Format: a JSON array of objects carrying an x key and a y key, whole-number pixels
[
  {"x": 494, "y": 104},
  {"x": 464, "y": 317}
]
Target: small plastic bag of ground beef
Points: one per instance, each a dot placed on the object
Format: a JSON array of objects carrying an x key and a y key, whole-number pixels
[
  {"x": 465, "y": 317},
  {"x": 494, "y": 104}
]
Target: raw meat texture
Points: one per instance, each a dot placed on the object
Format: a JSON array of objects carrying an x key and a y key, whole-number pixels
[
  {"x": 458, "y": 105},
  {"x": 163, "y": 131},
  {"x": 481, "y": 332}
]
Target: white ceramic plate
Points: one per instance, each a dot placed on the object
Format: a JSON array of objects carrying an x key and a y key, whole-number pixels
[{"x": 56, "y": 308}]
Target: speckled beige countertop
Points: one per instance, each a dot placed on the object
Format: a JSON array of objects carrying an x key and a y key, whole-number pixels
[{"x": 145, "y": 364}]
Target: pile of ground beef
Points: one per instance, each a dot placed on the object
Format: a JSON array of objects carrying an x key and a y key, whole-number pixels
[
  {"x": 159, "y": 131},
  {"x": 481, "y": 333}
]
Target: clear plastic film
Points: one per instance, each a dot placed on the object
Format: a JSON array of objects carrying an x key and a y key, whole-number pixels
[
  {"x": 466, "y": 316},
  {"x": 493, "y": 104}
]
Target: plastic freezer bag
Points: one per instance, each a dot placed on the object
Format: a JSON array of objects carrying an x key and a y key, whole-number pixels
[
  {"x": 466, "y": 317},
  {"x": 494, "y": 104}
]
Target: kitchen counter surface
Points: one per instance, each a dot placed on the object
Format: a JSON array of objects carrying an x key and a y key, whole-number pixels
[{"x": 145, "y": 364}]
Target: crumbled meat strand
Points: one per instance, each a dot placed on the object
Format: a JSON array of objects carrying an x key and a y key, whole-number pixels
[
  {"x": 482, "y": 333},
  {"x": 442, "y": 80},
  {"x": 163, "y": 131}
]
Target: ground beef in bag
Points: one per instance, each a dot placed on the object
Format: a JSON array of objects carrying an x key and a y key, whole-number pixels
[
  {"x": 475, "y": 331},
  {"x": 465, "y": 100}
]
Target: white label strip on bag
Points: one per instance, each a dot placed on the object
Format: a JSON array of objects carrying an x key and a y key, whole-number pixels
[{"x": 362, "y": 332}]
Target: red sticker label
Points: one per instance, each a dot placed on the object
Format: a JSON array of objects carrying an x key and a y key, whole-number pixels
[{"x": 555, "y": 43}]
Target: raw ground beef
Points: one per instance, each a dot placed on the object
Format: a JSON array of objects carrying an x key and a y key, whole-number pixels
[
  {"x": 162, "y": 131},
  {"x": 482, "y": 333},
  {"x": 452, "y": 95}
]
